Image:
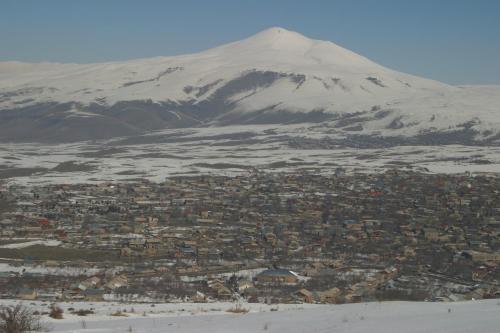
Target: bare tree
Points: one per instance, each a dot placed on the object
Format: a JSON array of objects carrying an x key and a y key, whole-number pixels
[{"x": 18, "y": 319}]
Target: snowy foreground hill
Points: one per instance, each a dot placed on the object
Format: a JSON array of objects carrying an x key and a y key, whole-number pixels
[
  {"x": 473, "y": 316},
  {"x": 274, "y": 77}
]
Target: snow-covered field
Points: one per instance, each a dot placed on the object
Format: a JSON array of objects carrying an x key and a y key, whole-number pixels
[
  {"x": 228, "y": 151},
  {"x": 473, "y": 316}
]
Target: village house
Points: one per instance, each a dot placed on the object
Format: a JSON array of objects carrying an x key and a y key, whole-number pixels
[{"x": 272, "y": 276}]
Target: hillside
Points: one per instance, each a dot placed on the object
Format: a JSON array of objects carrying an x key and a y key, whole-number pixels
[{"x": 412, "y": 317}]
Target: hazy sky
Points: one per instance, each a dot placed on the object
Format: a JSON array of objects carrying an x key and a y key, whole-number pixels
[{"x": 455, "y": 41}]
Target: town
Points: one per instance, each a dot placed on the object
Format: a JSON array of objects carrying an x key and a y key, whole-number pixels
[{"x": 260, "y": 237}]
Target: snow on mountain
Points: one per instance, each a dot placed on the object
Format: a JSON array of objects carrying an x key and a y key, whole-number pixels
[{"x": 275, "y": 76}]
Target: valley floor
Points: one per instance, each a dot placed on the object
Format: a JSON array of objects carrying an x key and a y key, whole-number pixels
[{"x": 231, "y": 151}]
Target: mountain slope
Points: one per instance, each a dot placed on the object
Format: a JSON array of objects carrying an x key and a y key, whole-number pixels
[{"x": 275, "y": 76}]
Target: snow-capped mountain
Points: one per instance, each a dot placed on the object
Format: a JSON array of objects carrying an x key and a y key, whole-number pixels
[{"x": 275, "y": 76}]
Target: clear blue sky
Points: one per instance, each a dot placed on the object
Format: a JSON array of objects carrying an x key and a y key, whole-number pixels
[{"x": 455, "y": 41}]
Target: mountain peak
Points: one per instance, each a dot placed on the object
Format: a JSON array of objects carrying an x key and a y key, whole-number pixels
[
  {"x": 282, "y": 49},
  {"x": 278, "y": 37},
  {"x": 275, "y": 39},
  {"x": 278, "y": 32}
]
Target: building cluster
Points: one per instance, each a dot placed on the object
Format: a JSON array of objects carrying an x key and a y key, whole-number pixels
[{"x": 264, "y": 237}]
